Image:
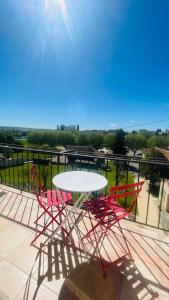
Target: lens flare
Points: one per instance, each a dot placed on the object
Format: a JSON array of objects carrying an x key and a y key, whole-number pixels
[
  {"x": 64, "y": 11},
  {"x": 62, "y": 6},
  {"x": 46, "y": 6}
]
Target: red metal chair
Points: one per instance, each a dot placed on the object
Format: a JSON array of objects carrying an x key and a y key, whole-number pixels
[
  {"x": 52, "y": 202},
  {"x": 107, "y": 212}
]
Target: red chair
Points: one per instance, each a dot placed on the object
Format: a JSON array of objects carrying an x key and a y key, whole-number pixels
[
  {"x": 107, "y": 212},
  {"x": 52, "y": 202}
]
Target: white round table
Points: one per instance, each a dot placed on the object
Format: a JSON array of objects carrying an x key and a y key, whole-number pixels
[{"x": 80, "y": 181}]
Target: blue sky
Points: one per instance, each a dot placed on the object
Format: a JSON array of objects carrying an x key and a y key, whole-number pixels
[{"x": 100, "y": 64}]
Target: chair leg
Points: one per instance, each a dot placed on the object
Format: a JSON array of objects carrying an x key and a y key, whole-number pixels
[
  {"x": 46, "y": 225},
  {"x": 39, "y": 217},
  {"x": 98, "y": 240}
]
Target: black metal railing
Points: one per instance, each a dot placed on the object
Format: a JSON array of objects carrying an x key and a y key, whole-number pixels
[{"x": 151, "y": 208}]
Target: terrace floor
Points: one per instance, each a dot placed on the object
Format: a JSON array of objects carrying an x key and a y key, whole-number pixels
[{"x": 57, "y": 270}]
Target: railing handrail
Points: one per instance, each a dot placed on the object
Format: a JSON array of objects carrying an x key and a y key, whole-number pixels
[
  {"x": 15, "y": 170},
  {"x": 116, "y": 157}
]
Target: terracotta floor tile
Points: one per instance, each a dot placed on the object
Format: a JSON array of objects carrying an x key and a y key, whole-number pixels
[
  {"x": 25, "y": 256},
  {"x": 31, "y": 290},
  {"x": 11, "y": 237},
  {"x": 5, "y": 223},
  {"x": 11, "y": 279}
]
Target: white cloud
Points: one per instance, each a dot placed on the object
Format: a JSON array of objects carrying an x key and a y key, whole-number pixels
[
  {"x": 113, "y": 125},
  {"x": 132, "y": 121}
]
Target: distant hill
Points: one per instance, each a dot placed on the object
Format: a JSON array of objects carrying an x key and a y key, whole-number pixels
[{"x": 9, "y": 128}]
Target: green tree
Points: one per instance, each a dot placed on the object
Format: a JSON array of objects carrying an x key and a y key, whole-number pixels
[
  {"x": 119, "y": 144},
  {"x": 110, "y": 141},
  {"x": 7, "y": 151},
  {"x": 39, "y": 138},
  {"x": 158, "y": 131},
  {"x": 52, "y": 138},
  {"x": 65, "y": 138},
  {"x": 147, "y": 133},
  {"x": 135, "y": 142},
  {"x": 7, "y": 137},
  {"x": 154, "y": 172},
  {"x": 83, "y": 139},
  {"x": 62, "y": 127},
  {"x": 96, "y": 140},
  {"x": 157, "y": 141}
]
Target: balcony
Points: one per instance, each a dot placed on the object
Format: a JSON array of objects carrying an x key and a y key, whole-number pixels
[{"x": 57, "y": 270}]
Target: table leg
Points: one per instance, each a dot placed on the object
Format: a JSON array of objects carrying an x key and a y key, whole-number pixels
[{"x": 69, "y": 217}]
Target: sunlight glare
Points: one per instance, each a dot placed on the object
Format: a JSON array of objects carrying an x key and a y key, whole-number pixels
[
  {"x": 64, "y": 11},
  {"x": 62, "y": 6},
  {"x": 46, "y": 6}
]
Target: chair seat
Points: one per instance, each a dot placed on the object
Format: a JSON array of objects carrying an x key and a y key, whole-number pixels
[
  {"x": 105, "y": 211},
  {"x": 55, "y": 197}
]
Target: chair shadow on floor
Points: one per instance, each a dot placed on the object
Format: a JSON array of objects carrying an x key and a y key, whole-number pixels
[
  {"x": 61, "y": 259},
  {"x": 56, "y": 259},
  {"x": 86, "y": 282}
]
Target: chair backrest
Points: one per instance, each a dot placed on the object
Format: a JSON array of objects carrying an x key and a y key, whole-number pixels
[
  {"x": 128, "y": 190},
  {"x": 36, "y": 183}
]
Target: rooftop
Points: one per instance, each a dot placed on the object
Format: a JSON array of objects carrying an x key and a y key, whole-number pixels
[{"x": 53, "y": 270}]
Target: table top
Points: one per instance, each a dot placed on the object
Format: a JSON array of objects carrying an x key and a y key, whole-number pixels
[{"x": 80, "y": 181}]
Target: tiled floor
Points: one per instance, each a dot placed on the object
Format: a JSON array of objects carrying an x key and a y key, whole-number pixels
[{"x": 57, "y": 270}]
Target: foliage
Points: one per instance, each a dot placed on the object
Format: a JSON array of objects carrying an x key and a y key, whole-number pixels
[
  {"x": 6, "y": 151},
  {"x": 135, "y": 142},
  {"x": 65, "y": 138},
  {"x": 116, "y": 142},
  {"x": 63, "y": 127},
  {"x": 110, "y": 140},
  {"x": 154, "y": 172},
  {"x": 119, "y": 143},
  {"x": 147, "y": 133},
  {"x": 52, "y": 138},
  {"x": 82, "y": 139},
  {"x": 40, "y": 138},
  {"x": 96, "y": 140},
  {"x": 158, "y": 131},
  {"x": 158, "y": 141},
  {"x": 6, "y": 137}
]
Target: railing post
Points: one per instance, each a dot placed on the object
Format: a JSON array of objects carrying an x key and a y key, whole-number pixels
[
  {"x": 117, "y": 171},
  {"x": 159, "y": 215}
]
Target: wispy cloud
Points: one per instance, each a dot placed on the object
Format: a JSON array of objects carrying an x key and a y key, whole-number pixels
[
  {"x": 132, "y": 121},
  {"x": 113, "y": 125}
]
